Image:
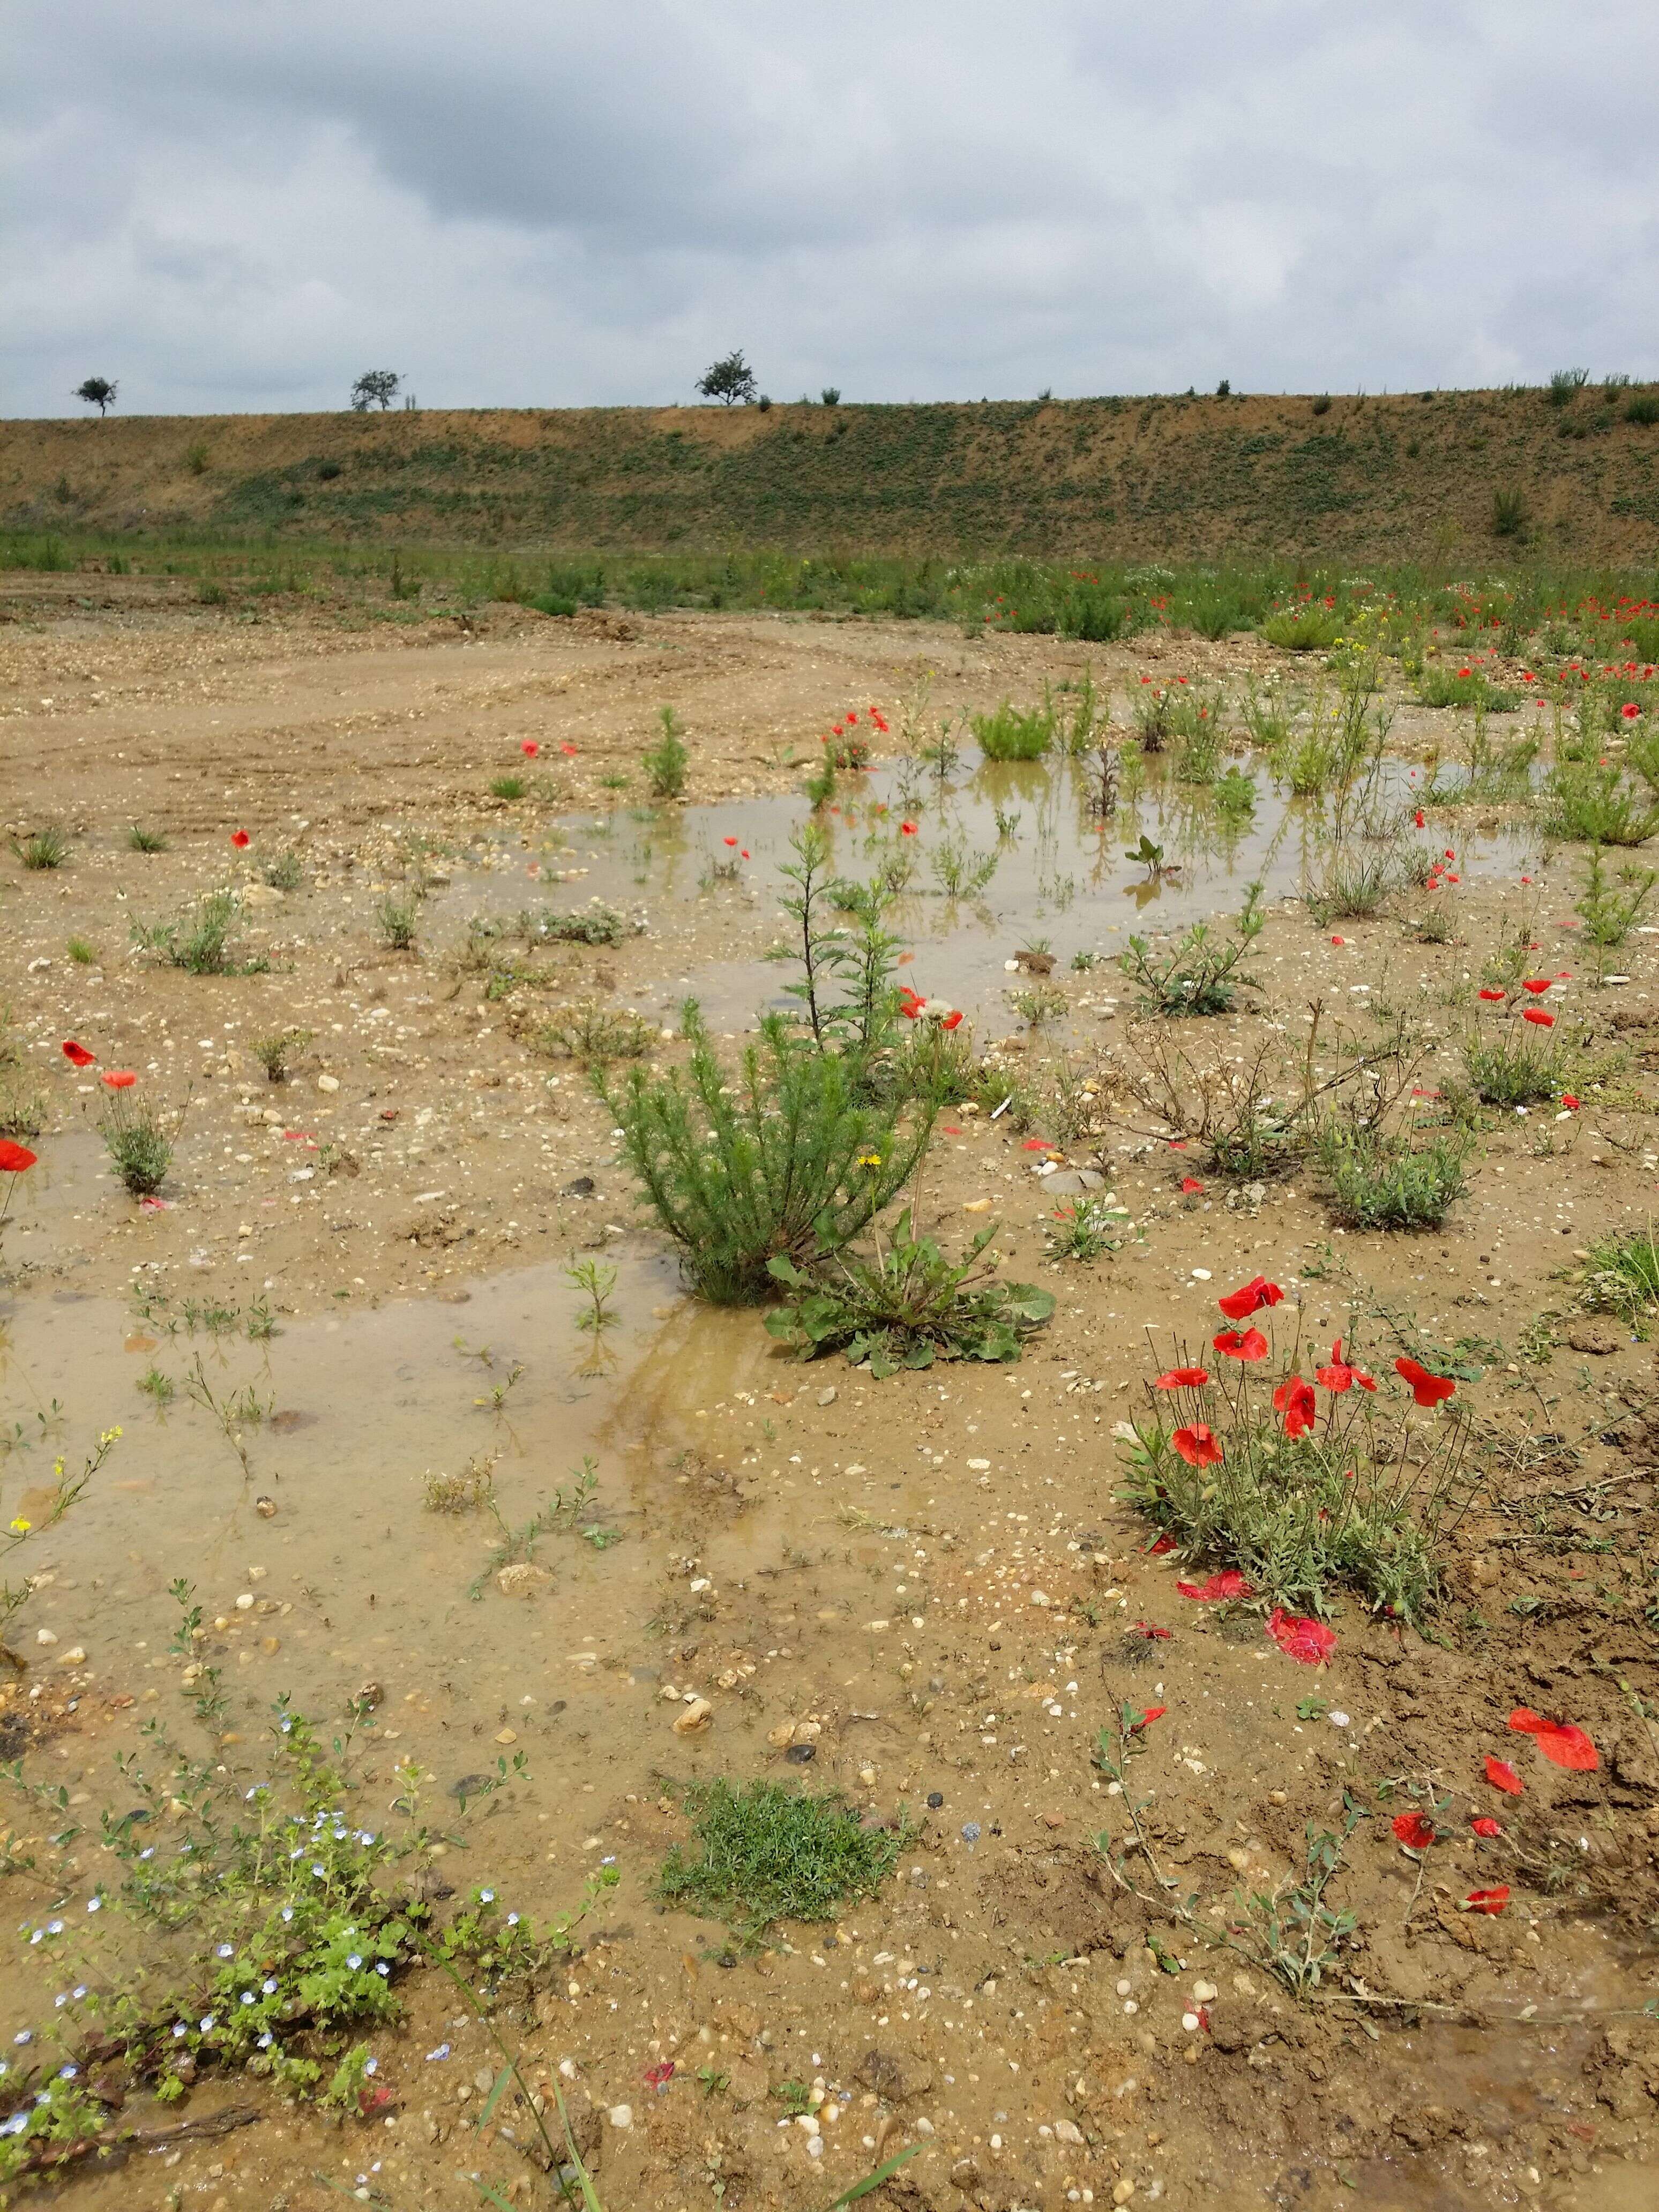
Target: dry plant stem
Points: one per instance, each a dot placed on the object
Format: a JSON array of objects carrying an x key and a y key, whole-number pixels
[{"x": 49, "y": 2157}]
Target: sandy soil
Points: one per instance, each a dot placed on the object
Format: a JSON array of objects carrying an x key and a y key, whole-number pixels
[{"x": 924, "y": 1582}]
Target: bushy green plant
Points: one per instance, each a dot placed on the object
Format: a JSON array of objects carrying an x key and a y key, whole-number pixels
[
  {"x": 594, "y": 924},
  {"x": 665, "y": 762},
  {"x": 593, "y": 1033},
  {"x": 761, "y": 1852},
  {"x": 1235, "y": 796},
  {"x": 774, "y": 1160},
  {"x": 1609, "y": 914},
  {"x": 959, "y": 872},
  {"x": 145, "y": 840},
  {"x": 1357, "y": 880},
  {"x": 506, "y": 787},
  {"x": 397, "y": 916},
  {"x": 139, "y": 1148},
  {"x": 199, "y": 944},
  {"x": 1592, "y": 805},
  {"x": 907, "y": 1305},
  {"x": 1303, "y": 629},
  {"x": 1015, "y": 734},
  {"x": 1375, "y": 1181},
  {"x": 274, "y": 1053},
  {"x": 1464, "y": 687},
  {"x": 1621, "y": 1274},
  {"x": 1084, "y": 1227},
  {"x": 1202, "y": 973},
  {"x": 1300, "y": 1510}
]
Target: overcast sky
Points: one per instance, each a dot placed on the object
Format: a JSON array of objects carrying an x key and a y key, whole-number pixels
[{"x": 240, "y": 204}]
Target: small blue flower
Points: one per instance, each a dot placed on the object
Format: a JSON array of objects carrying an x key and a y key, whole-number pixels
[
  {"x": 366, "y": 1836},
  {"x": 24, "y": 2035},
  {"x": 179, "y": 2029},
  {"x": 148, "y": 1852},
  {"x": 55, "y": 1927},
  {"x": 38, "y": 1933},
  {"x": 95, "y": 1904},
  {"x": 354, "y": 1960},
  {"x": 248, "y": 1997},
  {"x": 266, "y": 2040},
  {"x": 16, "y": 2125},
  {"x": 227, "y": 1950},
  {"x": 62, "y": 1998},
  {"x": 67, "y": 2073},
  {"x": 79, "y": 1991},
  {"x": 270, "y": 1986},
  {"x": 383, "y": 1969},
  {"x": 486, "y": 1897},
  {"x": 320, "y": 1869},
  {"x": 442, "y": 2051},
  {"x": 371, "y": 2066},
  {"x": 511, "y": 1919},
  {"x": 207, "y": 2021},
  {"x": 288, "y": 1912}
]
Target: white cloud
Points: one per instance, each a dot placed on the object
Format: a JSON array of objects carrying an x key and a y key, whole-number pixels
[{"x": 232, "y": 207}]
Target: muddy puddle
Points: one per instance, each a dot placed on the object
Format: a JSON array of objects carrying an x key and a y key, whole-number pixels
[{"x": 1054, "y": 874}]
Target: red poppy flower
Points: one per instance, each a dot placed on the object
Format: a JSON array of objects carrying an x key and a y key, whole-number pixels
[
  {"x": 14, "y": 1159},
  {"x": 730, "y": 840},
  {"x": 566, "y": 749},
  {"x": 1032, "y": 1143},
  {"x": 1501, "y": 1776},
  {"x": 530, "y": 748},
  {"x": 1536, "y": 983},
  {"x": 241, "y": 840},
  {"x": 1427, "y": 1389},
  {"x": 1484, "y": 1825},
  {"x": 77, "y": 1054},
  {"x": 1561, "y": 1743},
  {"x": 1493, "y": 998},
  {"x": 1240, "y": 1304},
  {"x": 951, "y": 1020},
  {"x": 1415, "y": 1829},
  {"x": 1197, "y": 1445},
  {"x": 908, "y": 829},
  {"x": 1181, "y": 1379},
  {"x": 1163, "y": 1544},
  {"x": 1295, "y": 1399},
  {"x": 1537, "y": 1015},
  {"x": 1569, "y": 1102},
  {"x": 878, "y": 723},
  {"x": 1341, "y": 1375},
  {"x": 118, "y": 1078},
  {"x": 1630, "y": 710},
  {"x": 1309, "y": 1641},
  {"x": 1229, "y": 1583},
  {"x": 1189, "y": 1184},
  {"x": 1153, "y": 1634},
  {"x": 743, "y": 855},
  {"x": 1151, "y": 1713},
  {"x": 1251, "y": 1345},
  {"x": 1450, "y": 854},
  {"x": 1419, "y": 819},
  {"x": 1487, "y": 1900}
]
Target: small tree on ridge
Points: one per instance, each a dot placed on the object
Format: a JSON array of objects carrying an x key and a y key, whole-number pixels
[
  {"x": 375, "y": 388},
  {"x": 98, "y": 391},
  {"x": 729, "y": 380}
]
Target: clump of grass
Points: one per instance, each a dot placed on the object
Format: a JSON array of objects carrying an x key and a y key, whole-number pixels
[
  {"x": 1356, "y": 883},
  {"x": 1202, "y": 973},
  {"x": 1154, "y": 713},
  {"x": 137, "y": 1145},
  {"x": 1507, "y": 1066},
  {"x": 1621, "y": 1275},
  {"x": 1589, "y": 805},
  {"x": 1447, "y": 687},
  {"x": 1353, "y": 1501},
  {"x": 1435, "y": 925},
  {"x": 1015, "y": 734},
  {"x": 508, "y": 786},
  {"x": 1376, "y": 1182},
  {"x": 777, "y": 1159},
  {"x": 474, "y": 1485},
  {"x": 1303, "y": 629},
  {"x": 595, "y": 925},
  {"x": 761, "y": 1853},
  {"x": 906, "y": 1306},
  {"x": 141, "y": 840},
  {"x": 23, "y": 1109},
  {"x": 594, "y": 1033},
  {"x": 199, "y": 944},
  {"x": 283, "y": 873},
  {"x": 1043, "y": 1004},
  {"x": 274, "y": 1053},
  {"x": 45, "y": 847},
  {"x": 83, "y": 951},
  {"x": 1235, "y": 795},
  {"x": 398, "y": 917},
  {"x": 666, "y": 761},
  {"x": 1085, "y": 1227}
]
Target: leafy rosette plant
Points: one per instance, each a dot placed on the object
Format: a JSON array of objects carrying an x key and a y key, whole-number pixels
[{"x": 1295, "y": 1486}]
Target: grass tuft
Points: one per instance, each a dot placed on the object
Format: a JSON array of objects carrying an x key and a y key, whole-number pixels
[{"x": 762, "y": 1852}]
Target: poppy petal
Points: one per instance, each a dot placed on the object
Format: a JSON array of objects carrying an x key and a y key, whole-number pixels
[
  {"x": 1501, "y": 1776},
  {"x": 1309, "y": 1641}
]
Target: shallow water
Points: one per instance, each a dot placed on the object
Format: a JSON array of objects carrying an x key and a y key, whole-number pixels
[{"x": 1062, "y": 876}]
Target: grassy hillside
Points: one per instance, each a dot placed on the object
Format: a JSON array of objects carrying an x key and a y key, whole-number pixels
[{"x": 1428, "y": 477}]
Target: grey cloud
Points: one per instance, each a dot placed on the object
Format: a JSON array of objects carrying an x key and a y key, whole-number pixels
[{"x": 232, "y": 205}]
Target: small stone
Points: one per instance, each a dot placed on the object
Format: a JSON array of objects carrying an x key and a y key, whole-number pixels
[
  {"x": 977, "y": 1206},
  {"x": 522, "y": 1579},
  {"x": 245, "y": 1602},
  {"x": 45, "y": 1636},
  {"x": 270, "y": 1645},
  {"x": 1067, "y": 2131},
  {"x": 697, "y": 1715},
  {"x": 1206, "y": 1992},
  {"x": 72, "y": 1657},
  {"x": 507, "y": 1735},
  {"x": 621, "y": 2116},
  {"x": 1123, "y": 2190},
  {"x": 827, "y": 1397},
  {"x": 265, "y": 1508},
  {"x": 328, "y": 1082}
]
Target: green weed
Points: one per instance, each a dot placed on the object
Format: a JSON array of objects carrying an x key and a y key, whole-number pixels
[
  {"x": 666, "y": 761},
  {"x": 761, "y": 1853}
]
